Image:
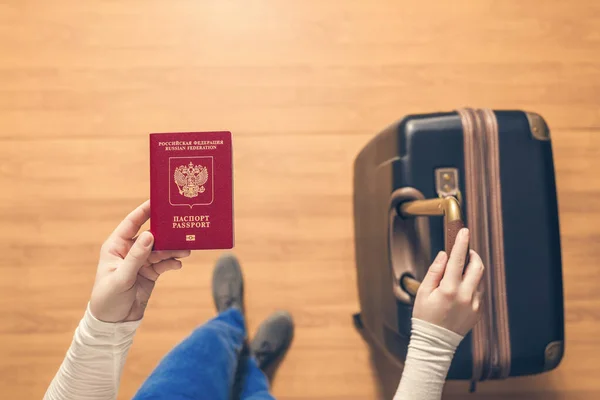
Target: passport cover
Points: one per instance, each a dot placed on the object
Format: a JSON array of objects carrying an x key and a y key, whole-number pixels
[{"x": 191, "y": 190}]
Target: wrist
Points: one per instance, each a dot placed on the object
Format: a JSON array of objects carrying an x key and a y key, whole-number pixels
[
  {"x": 437, "y": 335},
  {"x": 95, "y": 325}
]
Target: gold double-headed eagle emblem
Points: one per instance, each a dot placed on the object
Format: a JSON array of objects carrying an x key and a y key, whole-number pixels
[{"x": 190, "y": 179}]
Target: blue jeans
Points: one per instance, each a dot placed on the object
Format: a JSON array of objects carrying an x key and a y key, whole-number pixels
[{"x": 207, "y": 365}]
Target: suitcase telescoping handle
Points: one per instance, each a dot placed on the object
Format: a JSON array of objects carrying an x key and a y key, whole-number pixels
[{"x": 449, "y": 208}]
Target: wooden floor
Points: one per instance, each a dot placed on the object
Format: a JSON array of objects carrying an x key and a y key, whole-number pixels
[{"x": 303, "y": 85}]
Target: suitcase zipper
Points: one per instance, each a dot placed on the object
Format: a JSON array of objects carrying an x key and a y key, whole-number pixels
[
  {"x": 502, "y": 368},
  {"x": 476, "y": 219},
  {"x": 486, "y": 243},
  {"x": 491, "y": 341}
]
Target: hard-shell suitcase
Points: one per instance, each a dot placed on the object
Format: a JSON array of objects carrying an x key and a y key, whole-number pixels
[{"x": 415, "y": 184}]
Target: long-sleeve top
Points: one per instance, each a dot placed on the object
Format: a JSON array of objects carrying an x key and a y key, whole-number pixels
[
  {"x": 94, "y": 362},
  {"x": 430, "y": 353}
]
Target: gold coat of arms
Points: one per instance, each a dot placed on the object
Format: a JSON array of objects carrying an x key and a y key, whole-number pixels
[{"x": 190, "y": 179}]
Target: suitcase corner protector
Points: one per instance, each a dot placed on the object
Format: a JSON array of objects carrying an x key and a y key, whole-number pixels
[
  {"x": 553, "y": 354},
  {"x": 538, "y": 126}
]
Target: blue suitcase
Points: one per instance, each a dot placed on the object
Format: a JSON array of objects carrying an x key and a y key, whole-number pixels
[{"x": 415, "y": 184}]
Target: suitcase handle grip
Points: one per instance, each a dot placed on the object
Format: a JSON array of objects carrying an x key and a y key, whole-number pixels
[{"x": 449, "y": 208}]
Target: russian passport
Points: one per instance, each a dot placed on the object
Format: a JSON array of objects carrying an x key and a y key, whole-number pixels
[{"x": 191, "y": 190}]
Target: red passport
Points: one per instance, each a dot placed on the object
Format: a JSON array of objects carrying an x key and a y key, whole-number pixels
[{"x": 191, "y": 190}]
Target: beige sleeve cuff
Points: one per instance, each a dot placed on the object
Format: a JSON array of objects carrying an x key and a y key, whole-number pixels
[
  {"x": 93, "y": 364},
  {"x": 430, "y": 353}
]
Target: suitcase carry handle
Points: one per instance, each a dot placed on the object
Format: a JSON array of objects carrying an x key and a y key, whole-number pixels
[{"x": 449, "y": 208}]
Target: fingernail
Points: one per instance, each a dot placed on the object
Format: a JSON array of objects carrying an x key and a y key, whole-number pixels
[
  {"x": 464, "y": 233},
  {"x": 146, "y": 239}
]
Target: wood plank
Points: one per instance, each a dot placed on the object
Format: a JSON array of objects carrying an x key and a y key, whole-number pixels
[
  {"x": 303, "y": 85},
  {"x": 100, "y": 68}
]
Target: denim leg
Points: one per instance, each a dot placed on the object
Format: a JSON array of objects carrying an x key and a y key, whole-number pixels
[
  {"x": 202, "y": 366},
  {"x": 256, "y": 384}
]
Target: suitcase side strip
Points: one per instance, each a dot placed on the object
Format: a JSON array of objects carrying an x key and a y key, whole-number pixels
[
  {"x": 481, "y": 331},
  {"x": 497, "y": 245}
]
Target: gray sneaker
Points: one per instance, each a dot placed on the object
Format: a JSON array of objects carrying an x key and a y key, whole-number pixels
[
  {"x": 228, "y": 284},
  {"x": 272, "y": 341}
]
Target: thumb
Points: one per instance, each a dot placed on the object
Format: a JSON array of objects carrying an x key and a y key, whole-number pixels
[
  {"x": 435, "y": 273},
  {"x": 136, "y": 258}
]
